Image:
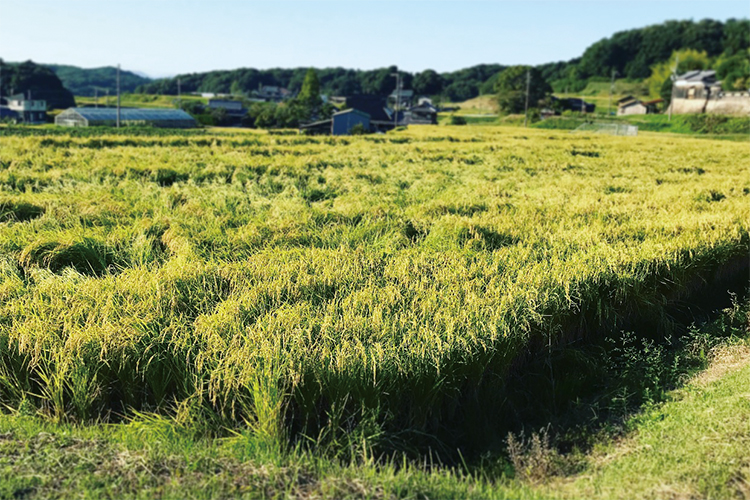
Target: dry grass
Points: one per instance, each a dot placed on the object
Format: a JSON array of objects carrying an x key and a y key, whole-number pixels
[{"x": 724, "y": 360}]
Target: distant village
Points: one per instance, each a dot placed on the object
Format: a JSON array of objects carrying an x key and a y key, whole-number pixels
[{"x": 693, "y": 92}]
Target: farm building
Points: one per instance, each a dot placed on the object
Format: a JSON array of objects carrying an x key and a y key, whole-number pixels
[
  {"x": 344, "y": 121},
  {"x": 573, "y": 104},
  {"x": 637, "y": 107},
  {"x": 340, "y": 123},
  {"x": 95, "y": 117},
  {"x": 235, "y": 110}
]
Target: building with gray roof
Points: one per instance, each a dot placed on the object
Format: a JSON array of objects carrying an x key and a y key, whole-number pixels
[{"x": 107, "y": 117}]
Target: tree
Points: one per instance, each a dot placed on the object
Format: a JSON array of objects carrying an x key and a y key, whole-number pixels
[
  {"x": 428, "y": 82},
  {"x": 39, "y": 80},
  {"x": 688, "y": 60},
  {"x": 236, "y": 89},
  {"x": 734, "y": 70},
  {"x": 511, "y": 89},
  {"x": 309, "y": 95}
]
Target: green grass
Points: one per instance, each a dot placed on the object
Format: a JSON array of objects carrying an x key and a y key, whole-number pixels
[
  {"x": 598, "y": 93},
  {"x": 379, "y": 289},
  {"x": 139, "y": 100},
  {"x": 719, "y": 127}
]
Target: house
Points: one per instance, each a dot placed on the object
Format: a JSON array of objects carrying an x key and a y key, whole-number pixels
[
  {"x": 637, "y": 107},
  {"x": 401, "y": 98},
  {"x": 340, "y": 123},
  {"x": 698, "y": 91},
  {"x": 234, "y": 107},
  {"x": 422, "y": 114},
  {"x": 94, "y": 117},
  {"x": 8, "y": 114},
  {"x": 272, "y": 93},
  {"x": 369, "y": 110},
  {"x": 235, "y": 111},
  {"x": 381, "y": 116},
  {"x": 27, "y": 110},
  {"x": 696, "y": 84}
]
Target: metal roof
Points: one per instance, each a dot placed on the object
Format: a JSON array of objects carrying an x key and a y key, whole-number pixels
[
  {"x": 131, "y": 114},
  {"x": 698, "y": 76},
  {"x": 352, "y": 110}
]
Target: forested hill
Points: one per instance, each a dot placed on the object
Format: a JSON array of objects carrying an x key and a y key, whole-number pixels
[
  {"x": 40, "y": 81},
  {"x": 84, "y": 81},
  {"x": 457, "y": 85},
  {"x": 631, "y": 53}
]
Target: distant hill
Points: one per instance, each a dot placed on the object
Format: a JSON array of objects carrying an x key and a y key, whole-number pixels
[
  {"x": 631, "y": 53},
  {"x": 40, "y": 81},
  {"x": 457, "y": 85},
  {"x": 83, "y": 81}
]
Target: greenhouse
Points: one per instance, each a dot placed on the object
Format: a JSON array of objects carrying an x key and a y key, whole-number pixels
[{"x": 96, "y": 117}]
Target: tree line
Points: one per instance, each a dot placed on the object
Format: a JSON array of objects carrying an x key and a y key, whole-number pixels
[
  {"x": 40, "y": 81},
  {"x": 454, "y": 86},
  {"x": 631, "y": 54}
]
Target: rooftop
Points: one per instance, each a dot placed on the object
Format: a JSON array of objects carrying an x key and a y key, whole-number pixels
[
  {"x": 698, "y": 75},
  {"x": 131, "y": 114}
]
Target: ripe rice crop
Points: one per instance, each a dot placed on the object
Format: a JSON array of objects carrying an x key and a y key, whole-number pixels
[{"x": 308, "y": 285}]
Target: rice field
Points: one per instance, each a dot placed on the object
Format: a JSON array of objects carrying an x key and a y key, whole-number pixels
[{"x": 380, "y": 286}]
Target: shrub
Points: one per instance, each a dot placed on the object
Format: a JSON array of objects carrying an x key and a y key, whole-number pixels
[
  {"x": 358, "y": 129},
  {"x": 458, "y": 120}
]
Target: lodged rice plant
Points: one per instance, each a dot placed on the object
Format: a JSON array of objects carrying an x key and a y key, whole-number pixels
[{"x": 319, "y": 286}]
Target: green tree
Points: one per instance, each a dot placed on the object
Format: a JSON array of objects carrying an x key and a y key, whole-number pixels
[
  {"x": 689, "y": 60},
  {"x": 236, "y": 89},
  {"x": 309, "y": 95},
  {"x": 428, "y": 82},
  {"x": 511, "y": 89},
  {"x": 734, "y": 70}
]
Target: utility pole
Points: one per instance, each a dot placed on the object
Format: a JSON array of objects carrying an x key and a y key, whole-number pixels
[
  {"x": 611, "y": 90},
  {"x": 673, "y": 77},
  {"x": 118, "y": 96},
  {"x": 526, "y": 108},
  {"x": 397, "y": 97},
  {"x": 179, "y": 92}
]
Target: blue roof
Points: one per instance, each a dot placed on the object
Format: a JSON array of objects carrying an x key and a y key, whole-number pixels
[{"x": 134, "y": 114}]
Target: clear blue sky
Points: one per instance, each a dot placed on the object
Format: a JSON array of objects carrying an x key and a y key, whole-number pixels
[{"x": 165, "y": 37}]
